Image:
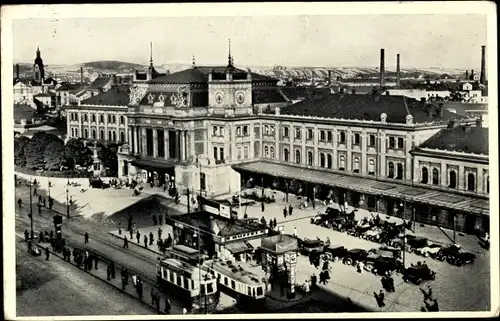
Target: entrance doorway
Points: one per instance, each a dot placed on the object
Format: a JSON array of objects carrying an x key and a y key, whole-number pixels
[{"x": 470, "y": 223}]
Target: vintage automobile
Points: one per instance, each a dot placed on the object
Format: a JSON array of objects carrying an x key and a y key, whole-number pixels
[
  {"x": 354, "y": 255},
  {"x": 380, "y": 265},
  {"x": 396, "y": 252},
  {"x": 335, "y": 252},
  {"x": 454, "y": 255},
  {"x": 306, "y": 246},
  {"x": 373, "y": 234},
  {"x": 97, "y": 182},
  {"x": 416, "y": 242},
  {"x": 430, "y": 250},
  {"x": 419, "y": 273}
]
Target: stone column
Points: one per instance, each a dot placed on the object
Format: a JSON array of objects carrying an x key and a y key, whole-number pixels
[
  {"x": 155, "y": 143},
  {"x": 183, "y": 144},
  {"x": 443, "y": 175},
  {"x": 316, "y": 152},
  {"x": 335, "y": 161},
  {"x": 348, "y": 158},
  {"x": 166, "y": 144},
  {"x": 130, "y": 141},
  {"x": 144, "y": 150},
  {"x": 461, "y": 177}
]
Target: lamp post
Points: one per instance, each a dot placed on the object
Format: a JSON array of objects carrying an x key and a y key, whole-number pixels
[
  {"x": 197, "y": 235},
  {"x": 31, "y": 213},
  {"x": 49, "y": 186},
  {"x": 188, "y": 201},
  {"x": 67, "y": 199},
  {"x": 401, "y": 207}
]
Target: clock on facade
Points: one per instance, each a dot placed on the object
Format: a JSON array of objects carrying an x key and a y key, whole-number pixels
[
  {"x": 240, "y": 98},
  {"x": 219, "y": 98}
]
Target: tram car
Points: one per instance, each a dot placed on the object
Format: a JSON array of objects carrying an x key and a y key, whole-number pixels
[
  {"x": 237, "y": 281},
  {"x": 188, "y": 280}
]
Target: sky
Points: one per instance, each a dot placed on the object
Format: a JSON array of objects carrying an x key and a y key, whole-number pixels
[{"x": 451, "y": 41}]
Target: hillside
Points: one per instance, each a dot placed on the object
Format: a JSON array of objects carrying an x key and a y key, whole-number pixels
[{"x": 112, "y": 65}]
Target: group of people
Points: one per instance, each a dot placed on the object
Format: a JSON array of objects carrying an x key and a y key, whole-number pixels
[
  {"x": 88, "y": 260},
  {"x": 430, "y": 303},
  {"x": 388, "y": 283}
]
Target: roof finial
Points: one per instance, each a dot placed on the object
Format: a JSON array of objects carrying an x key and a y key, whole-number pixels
[
  {"x": 229, "y": 57},
  {"x": 194, "y": 62},
  {"x": 151, "y": 53}
]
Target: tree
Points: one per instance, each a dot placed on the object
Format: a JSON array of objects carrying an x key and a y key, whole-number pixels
[
  {"x": 107, "y": 156},
  {"x": 76, "y": 153},
  {"x": 53, "y": 153},
  {"x": 20, "y": 145},
  {"x": 34, "y": 150}
]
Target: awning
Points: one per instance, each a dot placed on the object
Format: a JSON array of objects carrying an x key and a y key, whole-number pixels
[
  {"x": 239, "y": 247},
  {"x": 153, "y": 164},
  {"x": 464, "y": 203}
]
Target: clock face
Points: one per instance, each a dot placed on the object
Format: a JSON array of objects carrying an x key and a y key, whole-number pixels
[
  {"x": 240, "y": 98},
  {"x": 219, "y": 98}
]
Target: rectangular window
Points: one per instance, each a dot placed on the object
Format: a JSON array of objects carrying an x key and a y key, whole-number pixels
[
  {"x": 160, "y": 142},
  {"x": 186, "y": 282},
  {"x": 266, "y": 130},
  {"x": 233, "y": 285},
  {"x": 238, "y": 131},
  {"x": 310, "y": 134},
  {"x": 322, "y": 135},
  {"x": 372, "y": 140},
  {"x": 391, "y": 142},
  {"x": 285, "y": 132},
  {"x": 245, "y": 152},
  {"x": 85, "y": 117},
  {"x": 342, "y": 138},
  {"x": 221, "y": 153},
  {"x": 179, "y": 280},
  {"x": 272, "y": 130},
  {"x": 401, "y": 142},
  {"x": 260, "y": 291},
  {"x": 330, "y": 136},
  {"x": 357, "y": 139},
  {"x": 225, "y": 281},
  {"x": 238, "y": 153},
  {"x": 245, "y": 130},
  {"x": 171, "y": 276},
  {"x": 149, "y": 141},
  {"x": 297, "y": 133},
  {"x": 215, "y": 153},
  {"x": 221, "y": 131},
  {"x": 215, "y": 130},
  {"x": 210, "y": 288}
]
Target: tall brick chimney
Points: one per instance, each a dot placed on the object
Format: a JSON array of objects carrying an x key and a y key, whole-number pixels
[
  {"x": 329, "y": 78},
  {"x": 472, "y": 74},
  {"x": 466, "y": 75},
  {"x": 482, "y": 79},
  {"x": 81, "y": 75},
  {"x": 398, "y": 71},
  {"x": 17, "y": 71},
  {"x": 382, "y": 67}
]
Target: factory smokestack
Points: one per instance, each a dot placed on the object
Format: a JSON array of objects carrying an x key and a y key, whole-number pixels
[
  {"x": 482, "y": 79},
  {"x": 17, "y": 71},
  {"x": 81, "y": 75},
  {"x": 472, "y": 74},
  {"x": 382, "y": 67},
  {"x": 329, "y": 78},
  {"x": 466, "y": 75},
  {"x": 398, "y": 71}
]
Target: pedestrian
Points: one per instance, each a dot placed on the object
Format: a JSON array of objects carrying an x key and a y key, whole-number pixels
[
  {"x": 262, "y": 206},
  {"x": 159, "y": 233},
  {"x": 125, "y": 275},
  {"x": 40, "y": 199},
  {"x": 295, "y": 232},
  {"x": 96, "y": 260},
  {"x": 139, "y": 289},
  {"x": 20, "y": 202},
  {"x": 381, "y": 296},
  {"x": 51, "y": 202},
  {"x": 86, "y": 237},
  {"x": 290, "y": 210},
  {"x": 134, "y": 280},
  {"x": 113, "y": 270},
  {"x": 284, "y": 212},
  {"x": 155, "y": 220},
  {"x": 184, "y": 311},
  {"x": 157, "y": 301},
  {"x": 263, "y": 221},
  {"x": 160, "y": 219},
  {"x": 145, "y": 241},
  {"x": 325, "y": 265},
  {"x": 30, "y": 246},
  {"x": 35, "y": 192},
  {"x": 167, "y": 306},
  {"x": 169, "y": 241},
  {"x": 138, "y": 236},
  {"x": 41, "y": 238},
  {"x": 131, "y": 231},
  {"x": 153, "y": 295},
  {"x": 47, "y": 254},
  {"x": 119, "y": 230},
  {"x": 108, "y": 273},
  {"x": 39, "y": 209},
  {"x": 151, "y": 238},
  {"x": 26, "y": 235},
  {"x": 391, "y": 284},
  {"x": 124, "y": 284},
  {"x": 125, "y": 242},
  {"x": 90, "y": 261}
]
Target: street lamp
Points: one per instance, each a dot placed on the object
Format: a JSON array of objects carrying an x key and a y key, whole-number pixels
[
  {"x": 31, "y": 212},
  {"x": 67, "y": 199}
]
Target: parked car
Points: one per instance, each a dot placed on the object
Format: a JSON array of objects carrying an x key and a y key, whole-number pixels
[
  {"x": 454, "y": 255},
  {"x": 395, "y": 251},
  {"x": 419, "y": 273},
  {"x": 416, "y": 242},
  {"x": 380, "y": 265},
  {"x": 335, "y": 252},
  {"x": 306, "y": 246},
  {"x": 463, "y": 258},
  {"x": 355, "y": 255},
  {"x": 430, "y": 250}
]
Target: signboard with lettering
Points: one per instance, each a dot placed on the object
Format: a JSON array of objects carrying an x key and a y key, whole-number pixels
[{"x": 215, "y": 207}]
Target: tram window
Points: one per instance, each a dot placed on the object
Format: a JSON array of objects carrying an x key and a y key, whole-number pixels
[
  {"x": 202, "y": 287},
  {"x": 249, "y": 291},
  {"x": 186, "y": 282},
  {"x": 233, "y": 284},
  {"x": 210, "y": 288},
  {"x": 192, "y": 284},
  {"x": 259, "y": 291},
  {"x": 225, "y": 280},
  {"x": 171, "y": 276},
  {"x": 179, "y": 280}
]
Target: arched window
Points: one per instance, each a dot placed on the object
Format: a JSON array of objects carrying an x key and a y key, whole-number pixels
[
  {"x": 400, "y": 171},
  {"x": 122, "y": 137},
  {"x": 297, "y": 156},
  {"x": 435, "y": 176},
  {"x": 109, "y": 135},
  {"x": 425, "y": 175},
  {"x": 342, "y": 163},
  {"x": 471, "y": 182},
  {"x": 342, "y": 137},
  {"x": 272, "y": 152},
  {"x": 122, "y": 120},
  {"x": 322, "y": 160},
  {"x": 453, "y": 179},
  {"x": 285, "y": 154},
  {"x": 266, "y": 151},
  {"x": 391, "y": 170},
  {"x": 93, "y": 134},
  {"x": 72, "y": 132},
  {"x": 114, "y": 136},
  {"x": 371, "y": 167},
  {"x": 309, "y": 158},
  {"x": 101, "y": 134},
  {"x": 329, "y": 161},
  {"x": 101, "y": 118},
  {"x": 86, "y": 133},
  {"x": 356, "y": 165}
]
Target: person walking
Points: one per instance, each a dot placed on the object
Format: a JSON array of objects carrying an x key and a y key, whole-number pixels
[
  {"x": 381, "y": 297},
  {"x": 113, "y": 270},
  {"x": 125, "y": 242},
  {"x": 39, "y": 209},
  {"x": 86, "y": 238},
  {"x": 284, "y": 212},
  {"x": 159, "y": 233},
  {"x": 290, "y": 210},
  {"x": 108, "y": 273},
  {"x": 47, "y": 254},
  {"x": 262, "y": 206},
  {"x": 96, "y": 261},
  {"x": 134, "y": 280},
  {"x": 138, "y": 236},
  {"x": 295, "y": 232},
  {"x": 139, "y": 289},
  {"x": 145, "y": 241},
  {"x": 151, "y": 238},
  {"x": 26, "y": 235},
  {"x": 131, "y": 231},
  {"x": 168, "y": 306}
]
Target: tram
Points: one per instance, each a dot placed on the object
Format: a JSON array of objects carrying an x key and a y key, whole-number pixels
[
  {"x": 197, "y": 286},
  {"x": 236, "y": 280}
]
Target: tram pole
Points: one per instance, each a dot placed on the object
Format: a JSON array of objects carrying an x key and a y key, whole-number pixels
[
  {"x": 67, "y": 199},
  {"x": 31, "y": 213}
]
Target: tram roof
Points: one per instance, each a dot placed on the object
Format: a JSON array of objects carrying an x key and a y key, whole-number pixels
[
  {"x": 185, "y": 269},
  {"x": 241, "y": 271}
]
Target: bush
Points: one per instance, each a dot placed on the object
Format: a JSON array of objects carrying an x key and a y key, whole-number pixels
[{"x": 55, "y": 174}]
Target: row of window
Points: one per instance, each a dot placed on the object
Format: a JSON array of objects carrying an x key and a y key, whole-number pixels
[
  {"x": 93, "y": 135},
  {"x": 111, "y": 118},
  {"x": 219, "y": 153},
  {"x": 245, "y": 152},
  {"x": 217, "y": 130},
  {"x": 242, "y": 131},
  {"x": 452, "y": 179}
]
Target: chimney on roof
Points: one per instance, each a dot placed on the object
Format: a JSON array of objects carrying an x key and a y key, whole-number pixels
[
  {"x": 382, "y": 67},
  {"x": 81, "y": 75},
  {"x": 482, "y": 79},
  {"x": 472, "y": 74},
  {"x": 329, "y": 78},
  {"x": 398, "y": 71},
  {"x": 17, "y": 71},
  {"x": 466, "y": 75}
]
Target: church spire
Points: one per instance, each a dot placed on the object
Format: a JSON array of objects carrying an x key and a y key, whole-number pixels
[
  {"x": 38, "y": 51},
  {"x": 229, "y": 57}
]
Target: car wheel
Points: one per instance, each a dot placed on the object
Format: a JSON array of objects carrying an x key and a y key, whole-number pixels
[
  {"x": 405, "y": 279},
  {"x": 335, "y": 259},
  {"x": 426, "y": 254},
  {"x": 418, "y": 281}
]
